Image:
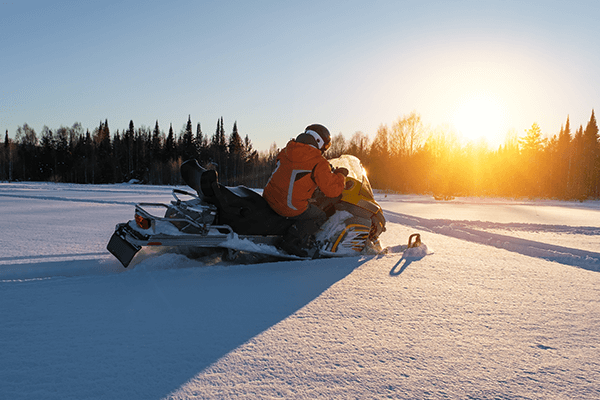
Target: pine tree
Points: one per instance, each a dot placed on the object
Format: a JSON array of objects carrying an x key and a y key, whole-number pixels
[
  {"x": 590, "y": 157},
  {"x": 531, "y": 151},
  {"x": 200, "y": 144},
  {"x": 62, "y": 165},
  {"x": 236, "y": 148},
  {"x": 218, "y": 147},
  {"x": 533, "y": 142},
  {"x": 142, "y": 156},
  {"x": 578, "y": 168},
  {"x": 155, "y": 146},
  {"x": 187, "y": 147},
  {"x": 562, "y": 163},
  {"x": 129, "y": 139},
  {"x": 47, "y": 156},
  {"x": 564, "y": 138},
  {"x": 118, "y": 157},
  {"x": 91, "y": 151},
  {"x": 72, "y": 167},
  {"x": 8, "y": 157},
  {"x": 170, "y": 145},
  {"x": 4, "y": 159},
  {"x": 155, "y": 155},
  {"x": 104, "y": 159}
]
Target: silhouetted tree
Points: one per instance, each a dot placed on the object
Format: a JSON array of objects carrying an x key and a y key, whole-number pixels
[
  {"x": 562, "y": 162},
  {"x": 188, "y": 147},
  {"x": 104, "y": 160},
  {"x": 218, "y": 147},
  {"x": 201, "y": 144},
  {"x": 590, "y": 155},
  {"x": 170, "y": 152},
  {"x": 235, "y": 156},
  {"x": 565, "y": 166},
  {"x": 4, "y": 158},
  {"x": 28, "y": 152}
]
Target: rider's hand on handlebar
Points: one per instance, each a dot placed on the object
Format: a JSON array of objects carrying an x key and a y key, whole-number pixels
[{"x": 341, "y": 170}]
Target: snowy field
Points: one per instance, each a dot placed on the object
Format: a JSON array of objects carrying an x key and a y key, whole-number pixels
[{"x": 506, "y": 307}]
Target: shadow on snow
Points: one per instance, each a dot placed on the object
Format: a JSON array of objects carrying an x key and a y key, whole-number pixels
[
  {"x": 461, "y": 230},
  {"x": 144, "y": 333}
]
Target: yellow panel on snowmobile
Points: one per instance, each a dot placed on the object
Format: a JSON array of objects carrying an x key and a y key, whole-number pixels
[
  {"x": 353, "y": 237},
  {"x": 355, "y": 193}
]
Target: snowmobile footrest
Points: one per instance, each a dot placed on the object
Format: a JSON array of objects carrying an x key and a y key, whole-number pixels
[{"x": 121, "y": 248}]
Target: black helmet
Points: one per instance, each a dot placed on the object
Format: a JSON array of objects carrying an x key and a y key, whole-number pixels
[{"x": 320, "y": 134}]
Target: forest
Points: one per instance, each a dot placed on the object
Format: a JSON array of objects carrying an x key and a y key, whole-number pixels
[{"x": 405, "y": 157}]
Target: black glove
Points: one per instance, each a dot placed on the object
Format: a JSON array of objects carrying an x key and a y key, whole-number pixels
[{"x": 341, "y": 170}]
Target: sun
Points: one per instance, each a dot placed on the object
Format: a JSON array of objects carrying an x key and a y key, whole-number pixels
[{"x": 480, "y": 116}]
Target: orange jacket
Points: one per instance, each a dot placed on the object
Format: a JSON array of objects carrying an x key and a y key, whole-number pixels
[{"x": 301, "y": 168}]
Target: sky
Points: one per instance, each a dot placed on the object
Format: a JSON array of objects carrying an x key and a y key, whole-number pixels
[{"x": 275, "y": 67}]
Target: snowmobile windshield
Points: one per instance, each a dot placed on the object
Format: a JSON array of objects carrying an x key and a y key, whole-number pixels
[{"x": 356, "y": 171}]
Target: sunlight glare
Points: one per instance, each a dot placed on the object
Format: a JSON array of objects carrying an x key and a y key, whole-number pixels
[{"x": 480, "y": 116}]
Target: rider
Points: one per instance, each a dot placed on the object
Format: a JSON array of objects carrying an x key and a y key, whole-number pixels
[{"x": 300, "y": 169}]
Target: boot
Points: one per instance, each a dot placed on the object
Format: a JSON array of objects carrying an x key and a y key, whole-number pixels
[{"x": 297, "y": 244}]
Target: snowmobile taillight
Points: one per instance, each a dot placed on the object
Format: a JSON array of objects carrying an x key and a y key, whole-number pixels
[
  {"x": 142, "y": 222},
  {"x": 154, "y": 244}
]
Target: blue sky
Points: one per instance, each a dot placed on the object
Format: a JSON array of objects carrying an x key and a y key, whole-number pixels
[{"x": 277, "y": 66}]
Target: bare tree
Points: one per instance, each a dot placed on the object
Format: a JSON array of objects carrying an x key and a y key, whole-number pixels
[
  {"x": 406, "y": 135},
  {"x": 338, "y": 146},
  {"x": 359, "y": 145}
]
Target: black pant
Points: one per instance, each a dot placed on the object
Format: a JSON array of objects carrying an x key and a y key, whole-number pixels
[{"x": 309, "y": 221}]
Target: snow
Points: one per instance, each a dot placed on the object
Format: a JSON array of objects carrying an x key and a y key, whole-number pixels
[{"x": 503, "y": 304}]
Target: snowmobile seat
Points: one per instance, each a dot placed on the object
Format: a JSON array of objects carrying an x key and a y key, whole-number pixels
[{"x": 244, "y": 210}]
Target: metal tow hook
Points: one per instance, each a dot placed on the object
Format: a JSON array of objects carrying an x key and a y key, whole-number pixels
[{"x": 416, "y": 242}]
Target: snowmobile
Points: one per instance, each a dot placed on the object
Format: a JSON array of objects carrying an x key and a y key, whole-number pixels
[{"x": 238, "y": 219}]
